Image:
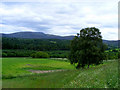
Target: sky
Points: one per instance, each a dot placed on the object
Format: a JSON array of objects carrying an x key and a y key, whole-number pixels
[{"x": 60, "y": 17}]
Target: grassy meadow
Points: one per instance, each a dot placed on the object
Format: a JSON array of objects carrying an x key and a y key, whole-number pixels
[{"x": 15, "y": 74}]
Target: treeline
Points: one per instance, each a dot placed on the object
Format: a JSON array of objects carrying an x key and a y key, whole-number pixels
[
  {"x": 29, "y": 53},
  {"x": 43, "y": 44},
  {"x": 110, "y": 54},
  {"x": 35, "y": 44},
  {"x": 16, "y": 47},
  {"x": 17, "y": 53}
]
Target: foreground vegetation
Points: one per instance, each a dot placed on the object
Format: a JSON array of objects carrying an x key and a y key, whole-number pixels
[{"x": 16, "y": 74}]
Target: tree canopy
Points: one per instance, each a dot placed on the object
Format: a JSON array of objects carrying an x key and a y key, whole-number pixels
[
  {"x": 35, "y": 44},
  {"x": 87, "y": 48},
  {"x": 40, "y": 54}
]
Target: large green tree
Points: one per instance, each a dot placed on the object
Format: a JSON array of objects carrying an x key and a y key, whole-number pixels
[{"x": 87, "y": 48}]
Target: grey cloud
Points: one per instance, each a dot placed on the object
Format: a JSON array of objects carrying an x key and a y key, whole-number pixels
[{"x": 58, "y": 17}]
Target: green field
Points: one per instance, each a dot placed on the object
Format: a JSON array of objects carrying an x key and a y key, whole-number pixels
[{"x": 15, "y": 74}]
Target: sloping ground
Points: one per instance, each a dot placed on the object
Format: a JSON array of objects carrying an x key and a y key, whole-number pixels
[{"x": 101, "y": 76}]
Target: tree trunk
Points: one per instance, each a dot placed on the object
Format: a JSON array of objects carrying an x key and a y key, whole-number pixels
[
  {"x": 83, "y": 65},
  {"x": 78, "y": 66},
  {"x": 88, "y": 65}
]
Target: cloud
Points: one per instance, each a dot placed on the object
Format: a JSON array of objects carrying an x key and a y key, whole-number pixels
[
  {"x": 60, "y": 17},
  {"x": 110, "y": 33},
  {"x": 11, "y": 29}
]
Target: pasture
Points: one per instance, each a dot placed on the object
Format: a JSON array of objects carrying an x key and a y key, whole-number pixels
[{"x": 16, "y": 74}]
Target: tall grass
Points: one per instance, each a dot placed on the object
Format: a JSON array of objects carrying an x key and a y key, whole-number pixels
[{"x": 102, "y": 76}]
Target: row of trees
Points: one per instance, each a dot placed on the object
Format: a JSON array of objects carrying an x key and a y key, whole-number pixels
[
  {"x": 110, "y": 54},
  {"x": 17, "y": 53},
  {"x": 42, "y": 44},
  {"x": 35, "y": 44},
  {"x": 29, "y": 53}
]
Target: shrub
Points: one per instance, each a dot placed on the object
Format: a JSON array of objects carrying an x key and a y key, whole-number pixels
[
  {"x": 11, "y": 54},
  {"x": 40, "y": 55},
  {"x": 4, "y": 55},
  {"x": 17, "y": 53}
]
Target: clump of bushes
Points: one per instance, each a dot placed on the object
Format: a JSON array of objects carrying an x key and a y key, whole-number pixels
[
  {"x": 27, "y": 53},
  {"x": 17, "y": 53},
  {"x": 40, "y": 54},
  {"x": 58, "y": 54},
  {"x": 113, "y": 54},
  {"x": 4, "y": 55}
]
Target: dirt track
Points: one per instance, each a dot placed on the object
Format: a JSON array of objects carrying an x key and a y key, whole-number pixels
[{"x": 46, "y": 71}]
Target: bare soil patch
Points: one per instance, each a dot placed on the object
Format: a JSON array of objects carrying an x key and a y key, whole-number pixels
[{"x": 45, "y": 71}]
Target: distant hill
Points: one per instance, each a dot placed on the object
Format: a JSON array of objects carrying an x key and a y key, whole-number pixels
[
  {"x": 112, "y": 43},
  {"x": 41, "y": 35},
  {"x": 36, "y": 35}
]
